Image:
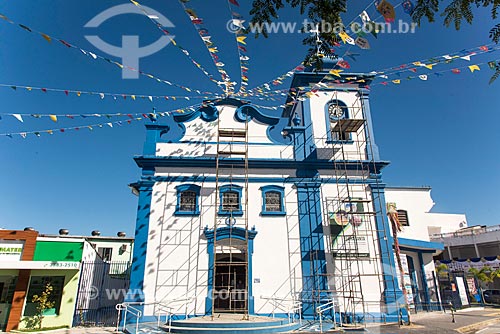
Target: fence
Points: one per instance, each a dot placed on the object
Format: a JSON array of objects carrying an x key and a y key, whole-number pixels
[{"x": 98, "y": 292}]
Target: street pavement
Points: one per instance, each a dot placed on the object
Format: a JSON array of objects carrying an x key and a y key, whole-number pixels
[{"x": 469, "y": 321}]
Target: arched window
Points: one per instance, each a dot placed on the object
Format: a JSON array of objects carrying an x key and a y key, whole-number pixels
[
  {"x": 230, "y": 200},
  {"x": 273, "y": 201},
  {"x": 187, "y": 200}
]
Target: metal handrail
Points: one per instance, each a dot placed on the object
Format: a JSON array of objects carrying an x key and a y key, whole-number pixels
[
  {"x": 128, "y": 309},
  {"x": 279, "y": 303},
  {"x": 168, "y": 310},
  {"x": 162, "y": 307},
  {"x": 325, "y": 307}
]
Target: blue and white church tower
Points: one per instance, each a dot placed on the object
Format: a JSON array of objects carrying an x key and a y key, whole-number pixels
[{"x": 245, "y": 210}]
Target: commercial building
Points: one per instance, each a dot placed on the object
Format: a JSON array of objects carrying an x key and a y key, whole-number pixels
[{"x": 29, "y": 261}]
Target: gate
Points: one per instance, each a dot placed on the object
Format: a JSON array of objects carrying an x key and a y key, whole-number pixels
[{"x": 102, "y": 286}]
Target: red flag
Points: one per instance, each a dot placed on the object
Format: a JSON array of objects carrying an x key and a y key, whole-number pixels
[{"x": 234, "y": 2}]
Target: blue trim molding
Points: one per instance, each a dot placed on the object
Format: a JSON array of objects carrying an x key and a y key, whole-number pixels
[
  {"x": 145, "y": 189},
  {"x": 312, "y": 247},
  {"x": 173, "y": 129},
  {"x": 392, "y": 294},
  {"x": 306, "y": 168},
  {"x": 226, "y": 189},
  {"x": 187, "y": 187},
  {"x": 227, "y": 233},
  {"x": 423, "y": 279},
  {"x": 273, "y": 189},
  {"x": 420, "y": 245}
]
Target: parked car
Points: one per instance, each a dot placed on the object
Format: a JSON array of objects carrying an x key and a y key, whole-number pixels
[{"x": 491, "y": 296}]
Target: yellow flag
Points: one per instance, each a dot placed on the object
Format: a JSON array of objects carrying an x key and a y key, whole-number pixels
[
  {"x": 134, "y": 2},
  {"x": 473, "y": 68},
  {"x": 346, "y": 38},
  {"x": 78, "y": 93},
  {"x": 429, "y": 66},
  {"x": 241, "y": 39},
  {"x": 133, "y": 97},
  {"x": 336, "y": 72},
  {"x": 50, "y": 132},
  {"x": 53, "y": 118},
  {"x": 417, "y": 63},
  {"x": 47, "y": 37},
  {"x": 397, "y": 82}
]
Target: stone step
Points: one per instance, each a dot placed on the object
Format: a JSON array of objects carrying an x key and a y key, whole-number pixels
[{"x": 227, "y": 329}]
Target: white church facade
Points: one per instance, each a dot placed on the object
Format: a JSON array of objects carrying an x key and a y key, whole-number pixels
[{"x": 242, "y": 210}]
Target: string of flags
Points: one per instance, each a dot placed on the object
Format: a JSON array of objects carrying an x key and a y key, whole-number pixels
[
  {"x": 334, "y": 74},
  {"x": 383, "y": 7},
  {"x": 96, "y": 56},
  {"x": 275, "y": 82},
  {"x": 387, "y": 11},
  {"x": 295, "y": 93},
  {"x": 55, "y": 117},
  {"x": 131, "y": 118},
  {"x": 157, "y": 23},
  {"x": 102, "y": 95},
  {"x": 239, "y": 31},
  {"x": 210, "y": 46},
  {"x": 457, "y": 70},
  {"x": 465, "y": 54}
]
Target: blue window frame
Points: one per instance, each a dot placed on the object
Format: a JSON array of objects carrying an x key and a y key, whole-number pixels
[
  {"x": 334, "y": 111},
  {"x": 230, "y": 200},
  {"x": 273, "y": 201},
  {"x": 188, "y": 200}
]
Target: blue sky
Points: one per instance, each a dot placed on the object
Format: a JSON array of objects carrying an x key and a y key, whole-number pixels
[{"x": 442, "y": 132}]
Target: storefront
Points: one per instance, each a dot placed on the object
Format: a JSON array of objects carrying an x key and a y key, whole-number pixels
[{"x": 27, "y": 264}]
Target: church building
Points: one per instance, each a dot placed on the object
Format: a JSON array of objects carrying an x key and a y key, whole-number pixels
[{"x": 248, "y": 210}]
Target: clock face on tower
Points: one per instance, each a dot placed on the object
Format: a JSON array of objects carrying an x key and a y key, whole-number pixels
[{"x": 336, "y": 111}]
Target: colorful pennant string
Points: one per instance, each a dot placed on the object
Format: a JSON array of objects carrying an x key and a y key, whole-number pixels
[
  {"x": 94, "y": 55},
  {"x": 115, "y": 96},
  {"x": 131, "y": 118},
  {"x": 240, "y": 35},
  {"x": 184, "y": 51},
  {"x": 210, "y": 46},
  {"x": 275, "y": 82},
  {"x": 425, "y": 77}
]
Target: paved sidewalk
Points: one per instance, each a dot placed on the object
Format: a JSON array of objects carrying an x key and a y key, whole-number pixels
[{"x": 468, "y": 321}]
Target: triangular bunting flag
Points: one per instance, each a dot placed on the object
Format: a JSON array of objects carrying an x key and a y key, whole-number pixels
[
  {"x": 473, "y": 68},
  {"x": 241, "y": 39},
  {"x": 53, "y": 118},
  {"x": 46, "y": 37},
  {"x": 335, "y": 72},
  {"x": 18, "y": 117}
]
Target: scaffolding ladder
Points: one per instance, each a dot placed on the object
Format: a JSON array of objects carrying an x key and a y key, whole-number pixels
[{"x": 230, "y": 256}]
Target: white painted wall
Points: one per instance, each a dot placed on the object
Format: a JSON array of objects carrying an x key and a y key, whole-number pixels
[
  {"x": 178, "y": 261},
  {"x": 418, "y": 203},
  {"x": 201, "y": 139},
  {"x": 320, "y": 127}
]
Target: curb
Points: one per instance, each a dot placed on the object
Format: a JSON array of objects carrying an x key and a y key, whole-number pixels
[{"x": 477, "y": 325}]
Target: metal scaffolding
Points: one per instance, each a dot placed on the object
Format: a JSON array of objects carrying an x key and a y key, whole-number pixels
[
  {"x": 356, "y": 282},
  {"x": 231, "y": 255}
]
